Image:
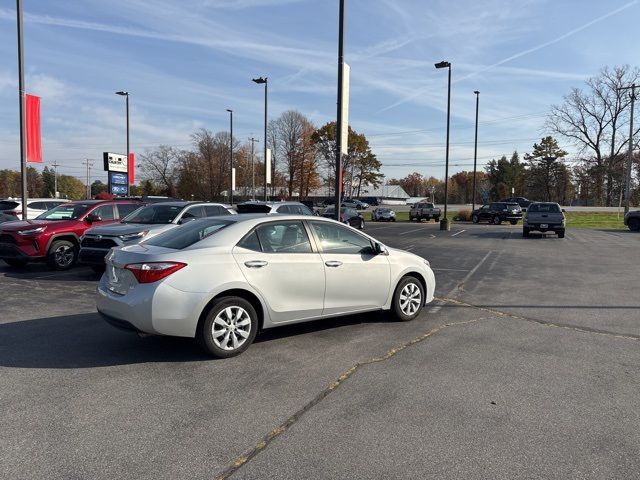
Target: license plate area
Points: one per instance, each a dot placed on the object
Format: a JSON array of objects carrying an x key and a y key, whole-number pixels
[{"x": 118, "y": 279}]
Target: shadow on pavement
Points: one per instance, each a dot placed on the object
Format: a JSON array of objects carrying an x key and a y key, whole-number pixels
[
  {"x": 40, "y": 271},
  {"x": 85, "y": 341}
]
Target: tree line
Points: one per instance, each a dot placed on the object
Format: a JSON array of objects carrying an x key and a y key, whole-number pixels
[{"x": 302, "y": 163}]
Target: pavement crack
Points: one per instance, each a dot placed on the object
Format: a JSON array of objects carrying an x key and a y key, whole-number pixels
[
  {"x": 566, "y": 326},
  {"x": 264, "y": 442}
]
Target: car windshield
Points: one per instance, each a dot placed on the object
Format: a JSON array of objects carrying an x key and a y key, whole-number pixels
[
  {"x": 544, "y": 208},
  {"x": 154, "y": 214},
  {"x": 383, "y": 210},
  {"x": 68, "y": 211},
  {"x": 188, "y": 234}
]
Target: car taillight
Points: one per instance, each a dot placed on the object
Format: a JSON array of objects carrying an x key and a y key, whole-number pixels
[{"x": 153, "y": 271}]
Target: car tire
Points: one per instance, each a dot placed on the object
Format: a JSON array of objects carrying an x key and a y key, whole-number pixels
[
  {"x": 475, "y": 219},
  {"x": 217, "y": 332},
  {"x": 412, "y": 291},
  {"x": 560, "y": 234},
  {"x": 634, "y": 224},
  {"x": 62, "y": 255},
  {"x": 15, "y": 262},
  {"x": 513, "y": 222},
  {"x": 496, "y": 220},
  {"x": 436, "y": 219},
  {"x": 361, "y": 227},
  {"x": 393, "y": 219},
  {"x": 525, "y": 232}
]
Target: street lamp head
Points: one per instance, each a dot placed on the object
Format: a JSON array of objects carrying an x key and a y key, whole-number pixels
[
  {"x": 122, "y": 93},
  {"x": 260, "y": 80},
  {"x": 477, "y": 92},
  {"x": 443, "y": 64},
  {"x": 229, "y": 110}
]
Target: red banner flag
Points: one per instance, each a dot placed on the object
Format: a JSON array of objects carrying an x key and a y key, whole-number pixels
[
  {"x": 34, "y": 146},
  {"x": 132, "y": 173}
]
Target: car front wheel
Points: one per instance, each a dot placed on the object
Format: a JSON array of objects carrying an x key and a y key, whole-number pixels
[
  {"x": 229, "y": 328},
  {"x": 62, "y": 255},
  {"x": 475, "y": 219},
  {"x": 634, "y": 224},
  {"x": 513, "y": 222},
  {"x": 361, "y": 227},
  {"x": 496, "y": 220},
  {"x": 407, "y": 299}
]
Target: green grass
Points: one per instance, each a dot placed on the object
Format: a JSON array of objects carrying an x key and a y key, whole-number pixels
[{"x": 595, "y": 220}]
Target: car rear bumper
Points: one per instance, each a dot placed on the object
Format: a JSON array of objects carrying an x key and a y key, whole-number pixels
[{"x": 548, "y": 228}]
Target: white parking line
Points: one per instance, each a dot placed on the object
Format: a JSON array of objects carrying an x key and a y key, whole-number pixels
[
  {"x": 414, "y": 230},
  {"x": 458, "y": 233},
  {"x": 409, "y": 248},
  {"x": 449, "y": 269},
  {"x": 437, "y": 308}
]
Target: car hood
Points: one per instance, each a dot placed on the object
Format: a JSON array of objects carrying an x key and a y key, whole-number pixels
[
  {"x": 117, "y": 229},
  {"x": 24, "y": 224}
]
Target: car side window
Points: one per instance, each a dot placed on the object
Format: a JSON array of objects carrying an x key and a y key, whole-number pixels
[
  {"x": 105, "y": 212},
  {"x": 37, "y": 205},
  {"x": 284, "y": 209},
  {"x": 193, "y": 212},
  {"x": 125, "y": 209},
  {"x": 285, "y": 237},
  {"x": 214, "y": 211},
  {"x": 485, "y": 207},
  {"x": 304, "y": 210},
  {"x": 334, "y": 238},
  {"x": 251, "y": 242}
]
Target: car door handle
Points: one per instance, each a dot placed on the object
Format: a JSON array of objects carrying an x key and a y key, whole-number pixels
[
  {"x": 255, "y": 263},
  {"x": 333, "y": 263}
]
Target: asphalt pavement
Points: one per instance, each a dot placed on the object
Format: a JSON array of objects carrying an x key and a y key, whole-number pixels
[{"x": 525, "y": 367}]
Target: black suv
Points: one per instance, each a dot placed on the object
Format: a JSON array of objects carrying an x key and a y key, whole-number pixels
[
  {"x": 498, "y": 212},
  {"x": 523, "y": 202},
  {"x": 632, "y": 220}
]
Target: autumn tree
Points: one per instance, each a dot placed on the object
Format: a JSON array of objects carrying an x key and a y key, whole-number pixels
[{"x": 159, "y": 165}]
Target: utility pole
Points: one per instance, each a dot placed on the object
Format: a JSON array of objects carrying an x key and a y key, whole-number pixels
[
  {"x": 475, "y": 153},
  {"x": 230, "y": 156},
  {"x": 21, "y": 97},
  {"x": 627, "y": 188},
  {"x": 89, "y": 165},
  {"x": 253, "y": 170},
  {"x": 55, "y": 178}
]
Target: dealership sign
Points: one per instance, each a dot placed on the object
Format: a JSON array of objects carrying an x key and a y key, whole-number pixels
[{"x": 114, "y": 162}]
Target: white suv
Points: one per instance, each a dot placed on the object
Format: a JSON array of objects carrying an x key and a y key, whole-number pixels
[{"x": 35, "y": 206}]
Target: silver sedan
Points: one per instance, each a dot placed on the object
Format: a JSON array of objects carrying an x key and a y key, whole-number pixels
[{"x": 222, "y": 279}]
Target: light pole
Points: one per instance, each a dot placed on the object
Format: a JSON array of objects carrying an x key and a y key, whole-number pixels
[
  {"x": 253, "y": 169},
  {"x": 339, "y": 119},
  {"x": 230, "y": 156},
  {"x": 475, "y": 153},
  {"x": 21, "y": 97},
  {"x": 126, "y": 95},
  {"x": 627, "y": 176},
  {"x": 444, "y": 223},
  {"x": 259, "y": 81}
]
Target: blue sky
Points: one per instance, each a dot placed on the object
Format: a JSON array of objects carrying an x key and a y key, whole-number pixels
[{"x": 185, "y": 62}]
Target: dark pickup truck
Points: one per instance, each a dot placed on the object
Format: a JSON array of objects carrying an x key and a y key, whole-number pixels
[{"x": 424, "y": 210}]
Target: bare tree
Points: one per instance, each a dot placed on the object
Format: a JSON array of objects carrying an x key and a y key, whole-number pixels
[
  {"x": 160, "y": 166},
  {"x": 592, "y": 120}
]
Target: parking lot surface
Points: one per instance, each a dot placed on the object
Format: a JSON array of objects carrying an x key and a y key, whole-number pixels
[{"x": 527, "y": 366}]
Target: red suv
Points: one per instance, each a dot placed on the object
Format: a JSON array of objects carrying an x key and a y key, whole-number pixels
[{"x": 55, "y": 235}]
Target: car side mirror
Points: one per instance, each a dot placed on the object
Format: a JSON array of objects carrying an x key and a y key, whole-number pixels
[
  {"x": 380, "y": 249},
  {"x": 186, "y": 220},
  {"x": 92, "y": 217}
]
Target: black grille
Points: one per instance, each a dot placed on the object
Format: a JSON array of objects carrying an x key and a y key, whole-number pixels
[
  {"x": 91, "y": 242},
  {"x": 4, "y": 238}
]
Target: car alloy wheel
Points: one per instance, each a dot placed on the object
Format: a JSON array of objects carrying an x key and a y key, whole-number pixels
[
  {"x": 229, "y": 327},
  {"x": 361, "y": 224},
  {"x": 496, "y": 220},
  {"x": 408, "y": 299},
  {"x": 62, "y": 255},
  {"x": 475, "y": 219}
]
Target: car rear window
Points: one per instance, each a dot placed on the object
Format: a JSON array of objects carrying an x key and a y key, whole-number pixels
[
  {"x": 253, "y": 208},
  {"x": 189, "y": 233},
  {"x": 544, "y": 208},
  {"x": 8, "y": 204}
]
